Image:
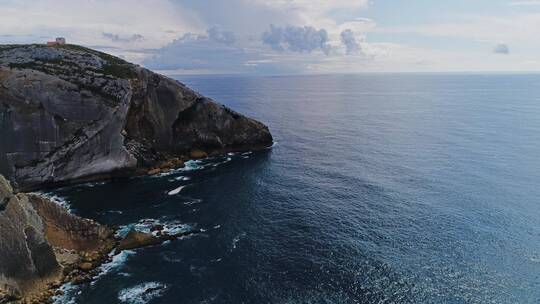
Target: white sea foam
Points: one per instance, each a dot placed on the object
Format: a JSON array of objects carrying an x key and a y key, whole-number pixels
[
  {"x": 68, "y": 296},
  {"x": 192, "y": 165},
  {"x": 176, "y": 191},
  {"x": 182, "y": 178},
  {"x": 142, "y": 293},
  {"x": 236, "y": 240},
  {"x": 70, "y": 291},
  {"x": 193, "y": 202},
  {"x": 145, "y": 225},
  {"x": 116, "y": 262},
  {"x": 169, "y": 257},
  {"x": 55, "y": 199},
  {"x": 228, "y": 159},
  {"x": 93, "y": 184}
]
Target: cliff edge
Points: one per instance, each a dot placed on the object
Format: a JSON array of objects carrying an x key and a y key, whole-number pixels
[{"x": 69, "y": 114}]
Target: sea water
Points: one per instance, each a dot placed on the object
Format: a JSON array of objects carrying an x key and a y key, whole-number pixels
[{"x": 382, "y": 188}]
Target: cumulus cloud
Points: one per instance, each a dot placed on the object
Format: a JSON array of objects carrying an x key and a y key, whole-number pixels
[
  {"x": 214, "y": 52},
  {"x": 221, "y": 36},
  {"x": 349, "y": 40},
  {"x": 297, "y": 39},
  {"x": 119, "y": 38},
  {"x": 501, "y": 49}
]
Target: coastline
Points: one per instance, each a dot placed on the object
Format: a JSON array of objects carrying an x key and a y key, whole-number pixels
[{"x": 84, "y": 266}]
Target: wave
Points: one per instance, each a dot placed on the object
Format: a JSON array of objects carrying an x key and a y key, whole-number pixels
[
  {"x": 193, "y": 202},
  {"x": 191, "y": 165},
  {"x": 68, "y": 294},
  {"x": 55, "y": 199},
  {"x": 236, "y": 240},
  {"x": 142, "y": 293},
  {"x": 145, "y": 225},
  {"x": 116, "y": 262},
  {"x": 176, "y": 190},
  {"x": 93, "y": 184}
]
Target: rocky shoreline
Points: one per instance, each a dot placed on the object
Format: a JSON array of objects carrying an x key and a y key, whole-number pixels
[
  {"x": 79, "y": 247},
  {"x": 70, "y": 114}
]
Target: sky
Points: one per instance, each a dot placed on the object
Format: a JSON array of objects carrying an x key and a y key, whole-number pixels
[{"x": 273, "y": 37}]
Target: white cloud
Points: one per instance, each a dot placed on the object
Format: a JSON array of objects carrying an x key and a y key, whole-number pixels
[
  {"x": 297, "y": 39},
  {"x": 85, "y": 22},
  {"x": 349, "y": 40},
  {"x": 317, "y": 35}
]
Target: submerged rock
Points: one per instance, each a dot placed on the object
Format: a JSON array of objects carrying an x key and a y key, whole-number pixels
[
  {"x": 71, "y": 114},
  {"x": 135, "y": 239}
]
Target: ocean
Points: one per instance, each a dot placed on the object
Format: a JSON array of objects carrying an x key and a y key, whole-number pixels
[{"x": 381, "y": 188}]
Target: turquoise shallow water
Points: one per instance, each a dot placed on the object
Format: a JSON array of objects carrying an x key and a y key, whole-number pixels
[{"x": 381, "y": 189}]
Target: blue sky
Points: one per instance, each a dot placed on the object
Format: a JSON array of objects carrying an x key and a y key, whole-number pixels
[{"x": 290, "y": 36}]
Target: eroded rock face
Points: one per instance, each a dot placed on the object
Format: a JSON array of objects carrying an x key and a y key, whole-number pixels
[
  {"x": 40, "y": 242},
  {"x": 67, "y": 231},
  {"x": 27, "y": 260},
  {"x": 71, "y": 114}
]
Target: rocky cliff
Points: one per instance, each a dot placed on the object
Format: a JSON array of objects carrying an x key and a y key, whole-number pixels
[
  {"x": 27, "y": 260},
  {"x": 69, "y": 114},
  {"x": 42, "y": 245}
]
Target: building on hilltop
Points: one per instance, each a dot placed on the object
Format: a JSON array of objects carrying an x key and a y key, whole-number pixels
[{"x": 57, "y": 41}]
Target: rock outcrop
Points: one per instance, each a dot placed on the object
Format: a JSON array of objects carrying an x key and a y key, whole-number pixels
[
  {"x": 27, "y": 260},
  {"x": 42, "y": 245},
  {"x": 69, "y": 114}
]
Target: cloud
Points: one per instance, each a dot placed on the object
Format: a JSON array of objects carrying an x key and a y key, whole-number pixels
[
  {"x": 97, "y": 22},
  {"x": 501, "y": 49},
  {"x": 296, "y": 39},
  {"x": 517, "y": 28},
  {"x": 198, "y": 53},
  {"x": 218, "y": 35},
  {"x": 349, "y": 40},
  {"x": 313, "y": 11},
  {"x": 118, "y": 38}
]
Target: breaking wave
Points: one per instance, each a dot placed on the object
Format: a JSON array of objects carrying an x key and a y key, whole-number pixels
[{"x": 142, "y": 293}]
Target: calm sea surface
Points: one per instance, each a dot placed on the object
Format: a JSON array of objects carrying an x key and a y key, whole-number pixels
[{"x": 381, "y": 189}]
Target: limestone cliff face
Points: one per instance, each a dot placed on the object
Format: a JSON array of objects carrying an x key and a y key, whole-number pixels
[{"x": 69, "y": 113}]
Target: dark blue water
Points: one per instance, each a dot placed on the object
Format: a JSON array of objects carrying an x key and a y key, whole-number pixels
[{"x": 381, "y": 189}]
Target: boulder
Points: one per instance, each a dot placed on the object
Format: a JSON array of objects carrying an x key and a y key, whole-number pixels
[{"x": 135, "y": 239}]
